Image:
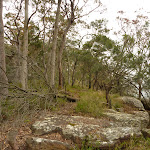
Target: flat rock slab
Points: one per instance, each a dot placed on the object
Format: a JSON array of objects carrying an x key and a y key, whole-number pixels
[
  {"x": 138, "y": 119},
  {"x": 67, "y": 125},
  {"x": 35, "y": 143},
  {"x": 102, "y": 132}
]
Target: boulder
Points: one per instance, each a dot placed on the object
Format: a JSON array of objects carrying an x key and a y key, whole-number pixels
[
  {"x": 138, "y": 119},
  {"x": 73, "y": 127},
  {"x": 101, "y": 133},
  {"x": 133, "y": 102},
  {"x": 35, "y": 143}
]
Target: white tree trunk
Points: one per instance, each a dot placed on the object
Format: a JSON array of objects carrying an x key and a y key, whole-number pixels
[
  {"x": 54, "y": 46},
  {"x": 3, "y": 77},
  {"x": 24, "y": 71},
  {"x": 62, "y": 45}
]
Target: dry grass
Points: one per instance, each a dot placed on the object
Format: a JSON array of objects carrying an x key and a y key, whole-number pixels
[{"x": 91, "y": 103}]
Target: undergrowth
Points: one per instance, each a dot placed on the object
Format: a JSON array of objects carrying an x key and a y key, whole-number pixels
[
  {"x": 135, "y": 143},
  {"x": 91, "y": 102},
  {"x": 26, "y": 107}
]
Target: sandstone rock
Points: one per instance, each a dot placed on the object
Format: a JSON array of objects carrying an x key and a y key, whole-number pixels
[
  {"x": 138, "y": 119},
  {"x": 70, "y": 127},
  {"x": 106, "y": 134},
  {"x": 35, "y": 143},
  {"x": 133, "y": 102}
]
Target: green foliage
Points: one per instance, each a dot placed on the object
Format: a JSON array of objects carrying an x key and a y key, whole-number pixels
[
  {"x": 116, "y": 102},
  {"x": 100, "y": 26},
  {"x": 135, "y": 143},
  {"x": 74, "y": 89},
  {"x": 60, "y": 102},
  {"x": 38, "y": 84},
  {"x": 87, "y": 144},
  {"x": 91, "y": 103},
  {"x": 136, "y": 50},
  {"x": 25, "y": 106},
  {"x": 88, "y": 45}
]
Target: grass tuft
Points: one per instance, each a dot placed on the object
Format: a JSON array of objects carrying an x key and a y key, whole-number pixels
[{"x": 91, "y": 102}]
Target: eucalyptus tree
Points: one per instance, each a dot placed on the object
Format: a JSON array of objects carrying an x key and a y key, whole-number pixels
[
  {"x": 89, "y": 62},
  {"x": 70, "y": 62},
  {"x": 141, "y": 59},
  {"x": 13, "y": 34},
  {"x": 54, "y": 46},
  {"x": 16, "y": 31},
  {"x": 136, "y": 44},
  {"x": 103, "y": 49},
  {"x": 3, "y": 77},
  {"x": 107, "y": 67},
  {"x": 72, "y": 12},
  {"x": 70, "y": 20},
  {"x": 24, "y": 71},
  {"x": 47, "y": 18}
]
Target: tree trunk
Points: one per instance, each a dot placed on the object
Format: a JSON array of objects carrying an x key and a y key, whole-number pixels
[
  {"x": 43, "y": 48},
  {"x": 107, "y": 89},
  {"x": 90, "y": 82},
  {"x": 119, "y": 87},
  {"x": 62, "y": 45},
  {"x": 3, "y": 77},
  {"x": 53, "y": 52},
  {"x": 83, "y": 80},
  {"x": 73, "y": 74},
  {"x": 18, "y": 62},
  {"x": 140, "y": 91},
  {"x": 68, "y": 70},
  {"x": 24, "y": 71},
  {"x": 95, "y": 81}
]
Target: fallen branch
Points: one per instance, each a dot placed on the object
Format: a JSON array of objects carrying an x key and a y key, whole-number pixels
[{"x": 68, "y": 98}]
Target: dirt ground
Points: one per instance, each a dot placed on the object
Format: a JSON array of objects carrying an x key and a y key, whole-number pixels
[{"x": 15, "y": 130}]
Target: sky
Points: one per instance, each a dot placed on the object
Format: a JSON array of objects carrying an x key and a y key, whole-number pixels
[{"x": 130, "y": 7}]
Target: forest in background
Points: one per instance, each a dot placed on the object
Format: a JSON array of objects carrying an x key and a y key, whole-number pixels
[{"x": 43, "y": 53}]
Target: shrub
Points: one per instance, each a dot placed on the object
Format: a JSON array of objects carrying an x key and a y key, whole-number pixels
[{"x": 91, "y": 103}]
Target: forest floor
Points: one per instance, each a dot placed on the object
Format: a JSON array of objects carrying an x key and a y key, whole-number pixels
[
  {"x": 13, "y": 131},
  {"x": 21, "y": 130}
]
